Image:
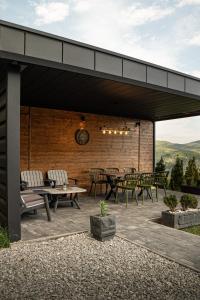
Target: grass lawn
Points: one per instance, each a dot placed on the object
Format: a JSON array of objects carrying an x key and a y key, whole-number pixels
[
  {"x": 193, "y": 229},
  {"x": 4, "y": 238}
]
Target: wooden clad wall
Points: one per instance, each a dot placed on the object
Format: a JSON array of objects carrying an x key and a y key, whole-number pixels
[
  {"x": 47, "y": 142},
  {"x": 3, "y": 155}
]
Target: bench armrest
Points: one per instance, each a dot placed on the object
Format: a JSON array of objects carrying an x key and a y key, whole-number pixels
[{"x": 74, "y": 179}]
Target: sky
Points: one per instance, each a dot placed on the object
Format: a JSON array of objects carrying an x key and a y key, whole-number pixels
[{"x": 164, "y": 32}]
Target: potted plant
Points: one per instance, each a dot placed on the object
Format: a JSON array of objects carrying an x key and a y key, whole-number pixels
[
  {"x": 188, "y": 216},
  {"x": 103, "y": 226}
]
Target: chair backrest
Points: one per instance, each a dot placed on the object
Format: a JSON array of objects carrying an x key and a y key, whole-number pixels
[
  {"x": 112, "y": 170},
  {"x": 33, "y": 178},
  {"x": 96, "y": 174},
  {"x": 132, "y": 176},
  {"x": 60, "y": 176},
  {"x": 128, "y": 170},
  {"x": 147, "y": 178},
  {"x": 161, "y": 177}
]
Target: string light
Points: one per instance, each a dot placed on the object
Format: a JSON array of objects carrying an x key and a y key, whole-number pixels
[{"x": 119, "y": 131}]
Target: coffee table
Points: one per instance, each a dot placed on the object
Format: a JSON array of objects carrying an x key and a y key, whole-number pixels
[{"x": 73, "y": 191}]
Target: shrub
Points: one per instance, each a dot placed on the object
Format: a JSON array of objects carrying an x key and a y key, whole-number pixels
[
  {"x": 171, "y": 201},
  {"x": 160, "y": 165},
  {"x": 188, "y": 201},
  {"x": 177, "y": 175},
  {"x": 103, "y": 208},
  {"x": 4, "y": 238},
  {"x": 191, "y": 172}
]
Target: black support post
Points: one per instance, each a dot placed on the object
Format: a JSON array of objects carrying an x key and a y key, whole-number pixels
[
  {"x": 154, "y": 145},
  {"x": 10, "y": 151}
]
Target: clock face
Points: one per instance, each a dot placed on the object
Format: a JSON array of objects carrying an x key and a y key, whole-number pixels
[{"x": 82, "y": 136}]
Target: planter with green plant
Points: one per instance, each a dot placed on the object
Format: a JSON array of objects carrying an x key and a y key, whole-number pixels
[
  {"x": 103, "y": 226},
  {"x": 188, "y": 216}
]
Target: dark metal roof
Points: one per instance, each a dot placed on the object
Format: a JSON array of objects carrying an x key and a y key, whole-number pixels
[{"x": 65, "y": 74}]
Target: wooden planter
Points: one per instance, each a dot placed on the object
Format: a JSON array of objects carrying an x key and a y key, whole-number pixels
[
  {"x": 103, "y": 228},
  {"x": 190, "y": 189},
  {"x": 181, "y": 219}
]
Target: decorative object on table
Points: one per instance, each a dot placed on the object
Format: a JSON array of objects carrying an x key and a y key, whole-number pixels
[
  {"x": 188, "y": 216},
  {"x": 103, "y": 226},
  {"x": 64, "y": 186}
]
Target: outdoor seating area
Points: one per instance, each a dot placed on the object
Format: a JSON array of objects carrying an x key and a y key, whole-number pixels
[
  {"x": 38, "y": 192},
  {"x": 138, "y": 183}
]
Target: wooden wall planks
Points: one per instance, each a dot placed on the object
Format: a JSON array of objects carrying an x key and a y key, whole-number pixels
[{"x": 47, "y": 142}]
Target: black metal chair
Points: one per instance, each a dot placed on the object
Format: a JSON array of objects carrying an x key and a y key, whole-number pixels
[{"x": 97, "y": 177}]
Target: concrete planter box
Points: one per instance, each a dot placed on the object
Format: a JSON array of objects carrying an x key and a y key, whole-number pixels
[
  {"x": 181, "y": 219},
  {"x": 103, "y": 228},
  {"x": 190, "y": 189}
]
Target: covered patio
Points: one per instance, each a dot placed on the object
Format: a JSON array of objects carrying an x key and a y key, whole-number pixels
[{"x": 48, "y": 83}]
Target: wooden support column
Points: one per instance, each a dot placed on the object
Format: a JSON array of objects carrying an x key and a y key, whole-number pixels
[{"x": 10, "y": 151}]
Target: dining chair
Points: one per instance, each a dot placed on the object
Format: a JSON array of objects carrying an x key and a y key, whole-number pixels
[
  {"x": 128, "y": 170},
  {"x": 97, "y": 177},
  {"x": 146, "y": 183},
  {"x": 129, "y": 183},
  {"x": 161, "y": 181},
  {"x": 112, "y": 170}
]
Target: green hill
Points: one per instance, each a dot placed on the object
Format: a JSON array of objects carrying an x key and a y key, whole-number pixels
[{"x": 169, "y": 152}]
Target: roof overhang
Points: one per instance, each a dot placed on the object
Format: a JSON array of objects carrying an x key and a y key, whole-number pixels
[{"x": 65, "y": 74}]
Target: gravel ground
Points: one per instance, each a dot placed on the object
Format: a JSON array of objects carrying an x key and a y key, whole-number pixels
[{"x": 78, "y": 267}]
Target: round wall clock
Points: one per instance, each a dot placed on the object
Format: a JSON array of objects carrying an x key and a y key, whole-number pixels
[{"x": 82, "y": 136}]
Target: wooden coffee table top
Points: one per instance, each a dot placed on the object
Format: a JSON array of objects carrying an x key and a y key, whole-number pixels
[{"x": 60, "y": 191}]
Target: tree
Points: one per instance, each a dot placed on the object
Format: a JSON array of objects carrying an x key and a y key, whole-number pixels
[
  {"x": 177, "y": 175},
  {"x": 160, "y": 165},
  {"x": 191, "y": 173}
]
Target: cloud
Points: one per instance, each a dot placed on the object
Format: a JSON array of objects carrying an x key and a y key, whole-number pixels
[
  {"x": 114, "y": 25},
  {"x": 186, "y": 130},
  {"x": 50, "y": 12},
  {"x": 138, "y": 15},
  {"x": 182, "y": 3},
  {"x": 195, "y": 40}
]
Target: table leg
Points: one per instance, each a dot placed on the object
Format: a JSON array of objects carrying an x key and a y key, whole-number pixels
[
  {"x": 46, "y": 201},
  {"x": 75, "y": 200}
]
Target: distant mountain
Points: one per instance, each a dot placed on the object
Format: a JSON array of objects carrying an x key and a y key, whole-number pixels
[{"x": 169, "y": 152}]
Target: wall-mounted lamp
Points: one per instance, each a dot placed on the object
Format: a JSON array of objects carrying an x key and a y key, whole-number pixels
[{"x": 82, "y": 123}]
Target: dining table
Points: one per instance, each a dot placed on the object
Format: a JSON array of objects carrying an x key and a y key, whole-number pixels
[{"x": 112, "y": 180}]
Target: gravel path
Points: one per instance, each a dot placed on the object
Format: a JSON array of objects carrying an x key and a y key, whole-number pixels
[{"x": 78, "y": 267}]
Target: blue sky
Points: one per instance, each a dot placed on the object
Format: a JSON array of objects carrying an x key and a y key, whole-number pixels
[{"x": 165, "y": 32}]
